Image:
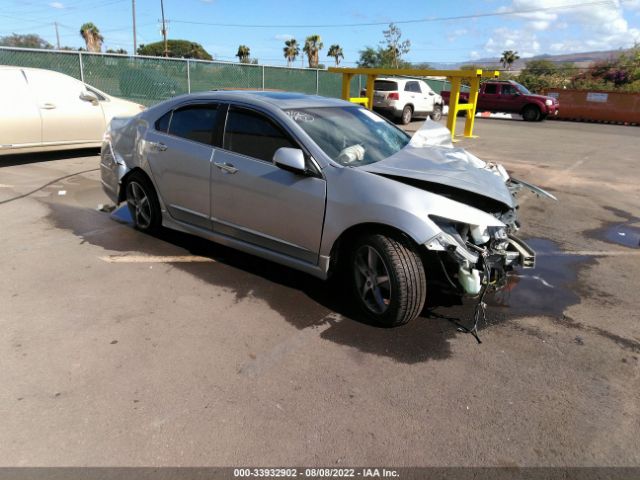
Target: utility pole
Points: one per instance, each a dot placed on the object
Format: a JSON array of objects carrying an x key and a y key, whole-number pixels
[
  {"x": 133, "y": 11},
  {"x": 164, "y": 29},
  {"x": 57, "y": 35}
]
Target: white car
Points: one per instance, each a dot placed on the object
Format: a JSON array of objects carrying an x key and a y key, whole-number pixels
[
  {"x": 405, "y": 98},
  {"x": 43, "y": 110}
]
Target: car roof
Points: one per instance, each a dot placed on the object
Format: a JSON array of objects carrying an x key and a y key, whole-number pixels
[
  {"x": 278, "y": 99},
  {"x": 395, "y": 79}
]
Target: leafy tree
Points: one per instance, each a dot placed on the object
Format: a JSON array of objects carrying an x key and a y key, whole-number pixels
[
  {"x": 620, "y": 73},
  {"x": 395, "y": 48},
  {"x": 538, "y": 75},
  {"x": 30, "y": 40},
  {"x": 92, "y": 37},
  {"x": 291, "y": 50},
  {"x": 369, "y": 58},
  {"x": 335, "y": 51},
  {"x": 119, "y": 50},
  {"x": 312, "y": 46},
  {"x": 244, "y": 54},
  {"x": 508, "y": 57},
  {"x": 177, "y": 49}
]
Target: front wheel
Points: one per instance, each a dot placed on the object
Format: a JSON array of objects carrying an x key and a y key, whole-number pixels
[
  {"x": 436, "y": 115},
  {"x": 389, "y": 281},
  {"x": 531, "y": 113}
]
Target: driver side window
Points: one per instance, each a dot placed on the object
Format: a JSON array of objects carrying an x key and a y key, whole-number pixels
[{"x": 254, "y": 135}]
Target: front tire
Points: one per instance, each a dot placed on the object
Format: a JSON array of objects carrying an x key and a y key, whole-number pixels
[
  {"x": 388, "y": 279},
  {"x": 143, "y": 203},
  {"x": 531, "y": 113},
  {"x": 436, "y": 115}
]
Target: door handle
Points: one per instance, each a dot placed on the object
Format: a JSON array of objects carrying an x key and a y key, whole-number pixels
[
  {"x": 160, "y": 147},
  {"x": 48, "y": 106},
  {"x": 226, "y": 167}
]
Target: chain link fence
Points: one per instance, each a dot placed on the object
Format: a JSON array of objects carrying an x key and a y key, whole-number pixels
[{"x": 149, "y": 80}]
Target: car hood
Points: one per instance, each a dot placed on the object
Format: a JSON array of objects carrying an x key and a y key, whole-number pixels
[{"x": 430, "y": 157}]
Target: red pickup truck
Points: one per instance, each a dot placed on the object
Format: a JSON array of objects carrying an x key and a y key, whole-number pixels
[{"x": 510, "y": 97}]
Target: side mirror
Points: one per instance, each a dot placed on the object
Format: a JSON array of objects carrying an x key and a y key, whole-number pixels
[
  {"x": 431, "y": 92},
  {"x": 290, "y": 159},
  {"x": 88, "y": 96}
]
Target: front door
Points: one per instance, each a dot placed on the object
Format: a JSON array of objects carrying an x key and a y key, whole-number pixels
[
  {"x": 256, "y": 202},
  {"x": 66, "y": 118},
  {"x": 179, "y": 148}
]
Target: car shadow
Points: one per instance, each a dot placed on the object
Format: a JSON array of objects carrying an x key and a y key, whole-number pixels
[
  {"x": 302, "y": 300},
  {"x": 12, "y": 160}
]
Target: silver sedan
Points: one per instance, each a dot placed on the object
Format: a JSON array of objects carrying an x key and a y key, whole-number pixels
[{"x": 322, "y": 186}]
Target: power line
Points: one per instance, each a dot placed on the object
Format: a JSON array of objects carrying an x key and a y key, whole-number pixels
[{"x": 399, "y": 22}]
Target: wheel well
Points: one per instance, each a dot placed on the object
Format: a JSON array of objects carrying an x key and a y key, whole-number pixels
[
  {"x": 123, "y": 182},
  {"x": 409, "y": 105},
  {"x": 341, "y": 246}
]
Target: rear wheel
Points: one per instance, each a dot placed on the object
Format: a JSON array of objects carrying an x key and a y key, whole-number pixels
[
  {"x": 437, "y": 113},
  {"x": 407, "y": 113},
  {"x": 531, "y": 113},
  {"x": 143, "y": 203},
  {"x": 388, "y": 279}
]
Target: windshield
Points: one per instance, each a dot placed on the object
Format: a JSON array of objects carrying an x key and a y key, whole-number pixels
[
  {"x": 522, "y": 88},
  {"x": 351, "y": 136}
]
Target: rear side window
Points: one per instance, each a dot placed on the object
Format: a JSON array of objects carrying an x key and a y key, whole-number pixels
[
  {"x": 491, "y": 88},
  {"x": 195, "y": 122},
  {"x": 508, "y": 90},
  {"x": 162, "y": 124},
  {"x": 254, "y": 135},
  {"x": 412, "y": 87},
  {"x": 385, "y": 86}
]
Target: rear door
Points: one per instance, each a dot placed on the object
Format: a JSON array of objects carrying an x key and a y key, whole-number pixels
[
  {"x": 180, "y": 150},
  {"x": 413, "y": 95},
  {"x": 66, "y": 118},
  {"x": 489, "y": 100},
  {"x": 20, "y": 124},
  {"x": 256, "y": 202}
]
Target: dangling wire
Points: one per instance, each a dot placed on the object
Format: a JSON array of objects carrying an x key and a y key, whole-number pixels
[{"x": 480, "y": 310}]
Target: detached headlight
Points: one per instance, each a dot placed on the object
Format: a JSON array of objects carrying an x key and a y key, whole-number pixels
[{"x": 548, "y": 102}]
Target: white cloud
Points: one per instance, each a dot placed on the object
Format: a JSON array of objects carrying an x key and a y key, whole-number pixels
[
  {"x": 559, "y": 30},
  {"x": 57, "y": 5},
  {"x": 283, "y": 36}
]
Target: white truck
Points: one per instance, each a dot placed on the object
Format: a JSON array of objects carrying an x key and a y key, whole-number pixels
[{"x": 405, "y": 98}]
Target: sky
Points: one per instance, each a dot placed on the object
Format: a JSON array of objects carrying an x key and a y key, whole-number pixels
[{"x": 478, "y": 29}]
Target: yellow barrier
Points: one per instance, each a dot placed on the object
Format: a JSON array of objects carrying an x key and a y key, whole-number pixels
[{"x": 454, "y": 76}]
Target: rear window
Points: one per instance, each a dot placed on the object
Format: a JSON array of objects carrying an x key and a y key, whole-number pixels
[
  {"x": 195, "y": 122},
  {"x": 385, "y": 85}
]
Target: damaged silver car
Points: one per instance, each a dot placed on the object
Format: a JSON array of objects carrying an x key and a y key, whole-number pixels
[{"x": 320, "y": 185}]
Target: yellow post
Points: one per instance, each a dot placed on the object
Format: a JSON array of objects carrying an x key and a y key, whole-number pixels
[
  {"x": 454, "y": 99},
  {"x": 370, "y": 80},
  {"x": 471, "y": 114},
  {"x": 346, "y": 85}
]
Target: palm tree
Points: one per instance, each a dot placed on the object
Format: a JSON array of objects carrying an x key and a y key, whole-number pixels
[
  {"x": 291, "y": 50},
  {"x": 508, "y": 57},
  {"x": 335, "y": 51},
  {"x": 92, "y": 37},
  {"x": 312, "y": 46},
  {"x": 243, "y": 54}
]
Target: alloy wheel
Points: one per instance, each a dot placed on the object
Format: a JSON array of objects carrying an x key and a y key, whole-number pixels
[{"x": 372, "y": 279}]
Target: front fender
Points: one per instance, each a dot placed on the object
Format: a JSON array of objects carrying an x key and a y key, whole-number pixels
[{"x": 356, "y": 197}]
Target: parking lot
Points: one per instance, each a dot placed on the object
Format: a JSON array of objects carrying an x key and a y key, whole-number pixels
[{"x": 120, "y": 348}]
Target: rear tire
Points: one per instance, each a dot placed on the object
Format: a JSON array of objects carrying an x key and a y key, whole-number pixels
[
  {"x": 407, "y": 114},
  {"x": 143, "y": 203},
  {"x": 530, "y": 113},
  {"x": 436, "y": 115},
  {"x": 388, "y": 279}
]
